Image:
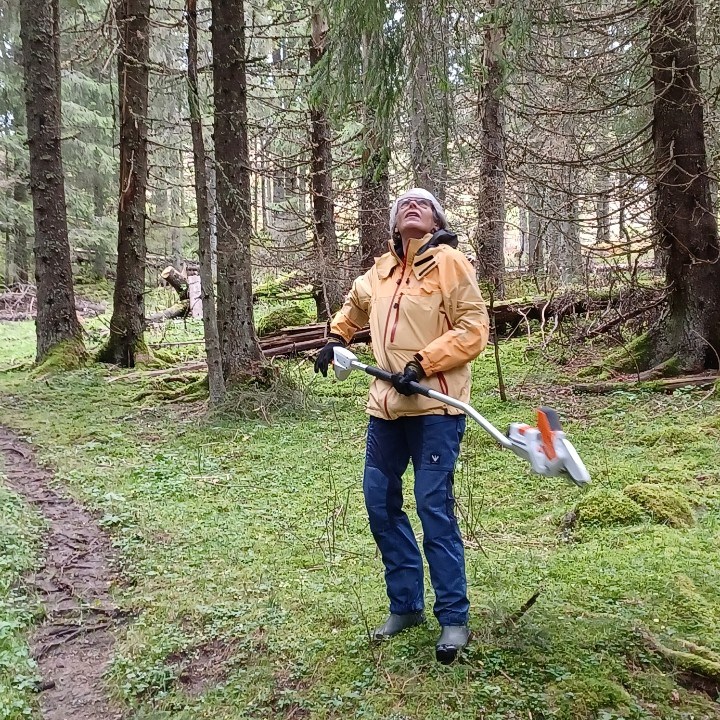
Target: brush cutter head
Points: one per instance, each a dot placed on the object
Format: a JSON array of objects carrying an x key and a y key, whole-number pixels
[{"x": 547, "y": 448}]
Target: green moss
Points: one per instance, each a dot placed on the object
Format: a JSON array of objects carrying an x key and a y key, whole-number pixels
[
  {"x": 67, "y": 355},
  {"x": 592, "y": 371},
  {"x": 688, "y": 662},
  {"x": 690, "y": 604},
  {"x": 631, "y": 357},
  {"x": 290, "y": 283},
  {"x": 580, "y": 698},
  {"x": 662, "y": 503},
  {"x": 701, "y": 650},
  {"x": 605, "y": 508},
  {"x": 114, "y": 352},
  {"x": 282, "y": 317},
  {"x": 676, "y": 436}
]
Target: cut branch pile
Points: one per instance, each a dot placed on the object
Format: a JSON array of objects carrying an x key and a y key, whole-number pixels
[
  {"x": 19, "y": 302},
  {"x": 509, "y": 316}
]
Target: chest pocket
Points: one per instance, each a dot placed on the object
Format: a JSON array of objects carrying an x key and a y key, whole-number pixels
[{"x": 417, "y": 319}]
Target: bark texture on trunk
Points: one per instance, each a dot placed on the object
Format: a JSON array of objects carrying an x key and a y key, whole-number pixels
[
  {"x": 328, "y": 283},
  {"x": 238, "y": 341},
  {"x": 536, "y": 234},
  {"x": 126, "y": 344},
  {"x": 374, "y": 205},
  {"x": 56, "y": 318},
  {"x": 429, "y": 101},
  {"x": 216, "y": 380},
  {"x": 490, "y": 235},
  {"x": 686, "y": 225}
]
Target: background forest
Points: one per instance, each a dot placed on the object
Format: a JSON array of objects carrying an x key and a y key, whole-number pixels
[
  {"x": 182, "y": 528},
  {"x": 572, "y": 145}
]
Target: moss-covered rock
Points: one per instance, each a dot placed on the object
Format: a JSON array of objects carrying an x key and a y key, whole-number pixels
[
  {"x": 662, "y": 503},
  {"x": 68, "y": 355},
  {"x": 582, "y": 698},
  {"x": 282, "y": 317},
  {"x": 691, "y": 605},
  {"x": 675, "y": 436},
  {"x": 603, "y": 508}
]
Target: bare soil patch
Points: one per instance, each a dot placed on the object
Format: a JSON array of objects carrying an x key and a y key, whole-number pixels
[
  {"x": 204, "y": 666},
  {"x": 74, "y": 642}
]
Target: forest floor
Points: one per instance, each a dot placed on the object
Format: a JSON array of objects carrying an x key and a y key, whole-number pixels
[{"x": 245, "y": 577}]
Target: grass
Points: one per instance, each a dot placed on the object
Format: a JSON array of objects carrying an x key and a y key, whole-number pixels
[
  {"x": 252, "y": 533},
  {"x": 18, "y": 676}
]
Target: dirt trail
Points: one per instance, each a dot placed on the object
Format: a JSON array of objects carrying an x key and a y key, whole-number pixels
[{"x": 74, "y": 643}]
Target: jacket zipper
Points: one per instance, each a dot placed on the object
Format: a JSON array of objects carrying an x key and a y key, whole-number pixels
[
  {"x": 392, "y": 302},
  {"x": 397, "y": 318}
]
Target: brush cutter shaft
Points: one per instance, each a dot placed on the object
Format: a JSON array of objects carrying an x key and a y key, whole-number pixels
[
  {"x": 427, "y": 392},
  {"x": 545, "y": 447}
]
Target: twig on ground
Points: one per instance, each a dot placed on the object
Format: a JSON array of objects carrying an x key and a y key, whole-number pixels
[{"x": 513, "y": 619}]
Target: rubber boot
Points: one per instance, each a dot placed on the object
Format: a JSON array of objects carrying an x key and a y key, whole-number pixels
[
  {"x": 452, "y": 640},
  {"x": 396, "y": 624}
]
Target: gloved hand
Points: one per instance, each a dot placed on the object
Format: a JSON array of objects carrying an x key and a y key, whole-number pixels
[
  {"x": 413, "y": 372},
  {"x": 325, "y": 356}
]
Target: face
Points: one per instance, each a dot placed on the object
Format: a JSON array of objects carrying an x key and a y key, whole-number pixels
[{"x": 415, "y": 218}]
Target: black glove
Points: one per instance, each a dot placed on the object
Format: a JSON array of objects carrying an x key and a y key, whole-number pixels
[
  {"x": 413, "y": 372},
  {"x": 325, "y": 356}
]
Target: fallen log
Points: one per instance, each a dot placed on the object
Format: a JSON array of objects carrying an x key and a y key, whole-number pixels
[
  {"x": 177, "y": 280},
  {"x": 181, "y": 309},
  {"x": 293, "y": 348}
]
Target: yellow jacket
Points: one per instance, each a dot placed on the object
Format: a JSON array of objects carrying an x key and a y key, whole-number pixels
[{"x": 426, "y": 306}]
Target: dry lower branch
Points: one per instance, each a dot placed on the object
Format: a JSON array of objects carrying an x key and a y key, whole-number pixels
[
  {"x": 621, "y": 318},
  {"x": 665, "y": 385}
]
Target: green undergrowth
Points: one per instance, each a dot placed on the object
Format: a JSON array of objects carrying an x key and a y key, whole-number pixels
[
  {"x": 18, "y": 672},
  {"x": 244, "y": 534}
]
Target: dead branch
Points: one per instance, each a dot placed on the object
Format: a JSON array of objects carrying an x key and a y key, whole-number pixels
[{"x": 663, "y": 385}]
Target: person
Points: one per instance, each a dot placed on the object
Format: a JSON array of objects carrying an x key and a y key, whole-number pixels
[{"x": 427, "y": 322}]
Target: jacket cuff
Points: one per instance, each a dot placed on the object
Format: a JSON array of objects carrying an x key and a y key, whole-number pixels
[
  {"x": 332, "y": 337},
  {"x": 424, "y": 364}
]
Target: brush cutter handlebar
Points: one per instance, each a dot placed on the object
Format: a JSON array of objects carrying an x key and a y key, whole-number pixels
[{"x": 546, "y": 447}]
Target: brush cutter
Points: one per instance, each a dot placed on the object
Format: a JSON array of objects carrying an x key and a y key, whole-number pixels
[{"x": 545, "y": 447}]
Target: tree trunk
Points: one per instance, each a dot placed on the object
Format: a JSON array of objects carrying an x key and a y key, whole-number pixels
[
  {"x": 126, "y": 344},
  {"x": 20, "y": 251},
  {"x": 429, "y": 101},
  {"x": 212, "y": 199},
  {"x": 686, "y": 224},
  {"x": 9, "y": 275},
  {"x": 327, "y": 282},
  {"x": 571, "y": 268},
  {"x": 602, "y": 207},
  {"x": 56, "y": 318},
  {"x": 374, "y": 205},
  {"x": 490, "y": 235},
  {"x": 523, "y": 228},
  {"x": 536, "y": 256},
  {"x": 202, "y": 197},
  {"x": 239, "y": 344}
]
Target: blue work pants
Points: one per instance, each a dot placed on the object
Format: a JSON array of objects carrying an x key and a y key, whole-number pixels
[{"x": 432, "y": 442}]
